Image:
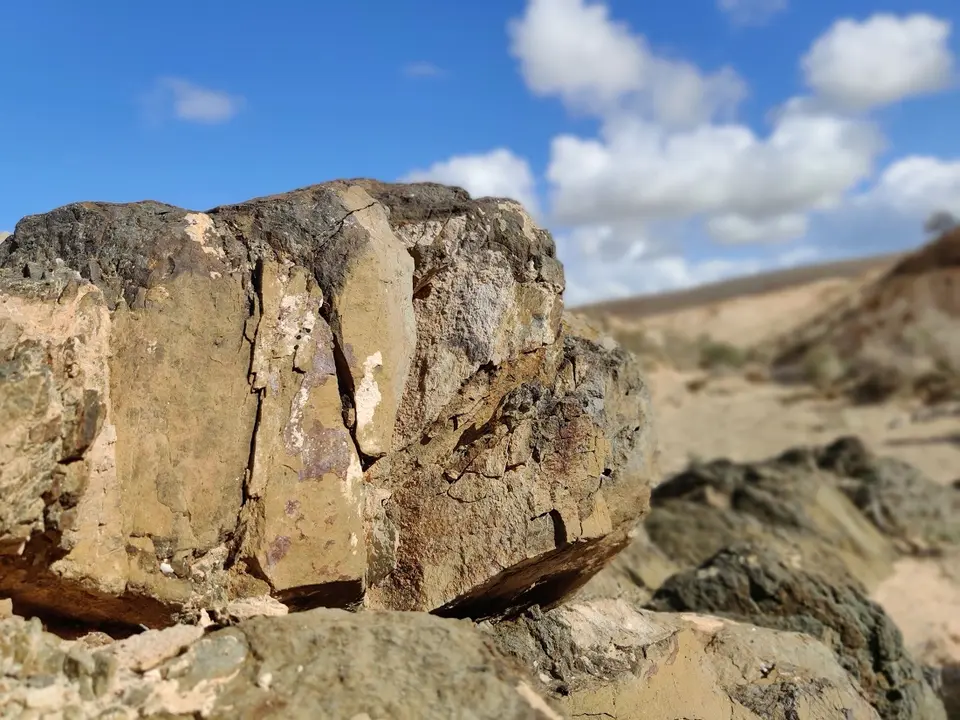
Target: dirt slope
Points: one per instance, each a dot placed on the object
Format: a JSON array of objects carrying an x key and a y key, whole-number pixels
[{"x": 905, "y": 324}]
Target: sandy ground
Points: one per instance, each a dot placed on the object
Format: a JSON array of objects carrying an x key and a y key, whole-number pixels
[
  {"x": 745, "y": 321},
  {"x": 733, "y": 418}
]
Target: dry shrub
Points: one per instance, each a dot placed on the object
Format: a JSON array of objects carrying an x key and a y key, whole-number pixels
[{"x": 719, "y": 355}]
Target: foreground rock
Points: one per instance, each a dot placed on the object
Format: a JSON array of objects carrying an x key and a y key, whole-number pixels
[
  {"x": 757, "y": 586},
  {"x": 608, "y": 658},
  {"x": 320, "y": 663},
  {"x": 351, "y": 393}
]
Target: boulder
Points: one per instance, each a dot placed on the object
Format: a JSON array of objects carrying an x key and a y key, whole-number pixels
[
  {"x": 753, "y": 584},
  {"x": 610, "y": 658},
  {"x": 315, "y": 664},
  {"x": 786, "y": 501},
  {"x": 353, "y": 393},
  {"x": 920, "y": 515}
]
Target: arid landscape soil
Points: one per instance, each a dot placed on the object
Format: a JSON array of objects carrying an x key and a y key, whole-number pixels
[{"x": 743, "y": 414}]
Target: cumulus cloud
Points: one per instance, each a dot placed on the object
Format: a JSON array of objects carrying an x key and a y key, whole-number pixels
[
  {"x": 637, "y": 170},
  {"x": 884, "y": 59},
  {"x": 591, "y": 279},
  {"x": 572, "y": 49},
  {"x": 738, "y": 229},
  {"x": 916, "y": 186},
  {"x": 189, "y": 102},
  {"x": 498, "y": 173},
  {"x": 751, "y": 12},
  {"x": 667, "y": 146},
  {"x": 670, "y": 162}
]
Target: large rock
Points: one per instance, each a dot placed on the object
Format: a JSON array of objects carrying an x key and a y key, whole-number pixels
[
  {"x": 608, "y": 658},
  {"x": 755, "y": 585},
  {"x": 315, "y": 664},
  {"x": 354, "y": 392},
  {"x": 788, "y": 501},
  {"x": 918, "y": 514}
]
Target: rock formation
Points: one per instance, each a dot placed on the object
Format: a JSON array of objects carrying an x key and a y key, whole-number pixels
[
  {"x": 351, "y": 393},
  {"x": 315, "y": 664},
  {"x": 752, "y": 584},
  {"x": 609, "y": 658},
  {"x": 896, "y": 334},
  {"x": 838, "y": 508}
]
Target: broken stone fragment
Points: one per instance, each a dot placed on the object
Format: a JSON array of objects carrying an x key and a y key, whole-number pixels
[{"x": 302, "y": 520}]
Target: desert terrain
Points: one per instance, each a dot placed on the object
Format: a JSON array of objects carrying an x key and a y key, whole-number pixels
[
  {"x": 452, "y": 498},
  {"x": 705, "y": 414}
]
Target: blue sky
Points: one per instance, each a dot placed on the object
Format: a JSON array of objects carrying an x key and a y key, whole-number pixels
[{"x": 664, "y": 144}]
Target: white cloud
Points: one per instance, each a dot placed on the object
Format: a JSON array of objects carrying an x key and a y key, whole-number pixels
[
  {"x": 189, "y": 102},
  {"x": 422, "y": 69},
  {"x": 884, "y": 59},
  {"x": 638, "y": 171},
  {"x": 498, "y": 173},
  {"x": 590, "y": 279},
  {"x": 664, "y": 151},
  {"x": 736, "y": 229},
  {"x": 916, "y": 186},
  {"x": 574, "y": 50},
  {"x": 751, "y": 12},
  {"x": 671, "y": 167}
]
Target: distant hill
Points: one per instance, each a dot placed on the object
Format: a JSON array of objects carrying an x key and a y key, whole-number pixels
[
  {"x": 902, "y": 328},
  {"x": 646, "y": 305}
]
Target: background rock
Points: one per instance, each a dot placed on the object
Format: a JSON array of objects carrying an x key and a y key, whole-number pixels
[
  {"x": 919, "y": 514},
  {"x": 755, "y": 585},
  {"x": 786, "y": 501},
  {"x": 608, "y": 658}
]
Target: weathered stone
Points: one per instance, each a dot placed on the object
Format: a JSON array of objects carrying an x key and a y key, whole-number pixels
[
  {"x": 320, "y": 663},
  {"x": 794, "y": 505},
  {"x": 524, "y": 490},
  {"x": 303, "y": 526},
  {"x": 350, "y": 386},
  {"x": 608, "y": 658},
  {"x": 917, "y": 513},
  {"x": 755, "y": 585}
]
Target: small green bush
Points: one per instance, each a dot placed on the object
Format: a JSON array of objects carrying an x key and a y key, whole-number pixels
[
  {"x": 822, "y": 367},
  {"x": 715, "y": 354}
]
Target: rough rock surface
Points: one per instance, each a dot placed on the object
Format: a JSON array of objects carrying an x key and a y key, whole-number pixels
[
  {"x": 355, "y": 392},
  {"x": 608, "y": 658},
  {"x": 840, "y": 506},
  {"x": 918, "y": 514},
  {"x": 787, "y": 501},
  {"x": 755, "y": 585},
  {"x": 316, "y": 664}
]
